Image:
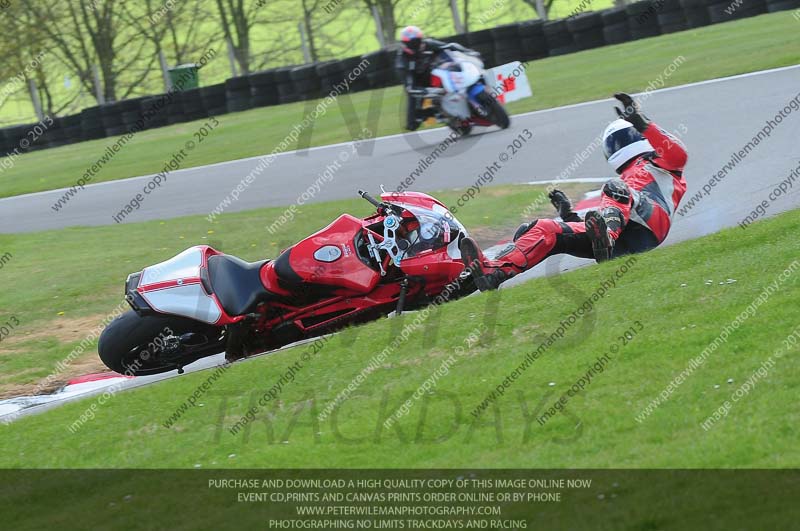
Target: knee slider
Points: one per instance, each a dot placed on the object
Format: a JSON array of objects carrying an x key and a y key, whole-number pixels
[{"x": 617, "y": 190}]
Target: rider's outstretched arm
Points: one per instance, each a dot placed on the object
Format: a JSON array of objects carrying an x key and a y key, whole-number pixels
[{"x": 671, "y": 153}]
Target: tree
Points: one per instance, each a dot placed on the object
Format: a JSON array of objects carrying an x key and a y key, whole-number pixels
[
  {"x": 24, "y": 59},
  {"x": 237, "y": 21},
  {"x": 172, "y": 30},
  {"x": 385, "y": 10},
  {"x": 541, "y": 7},
  {"x": 88, "y": 33}
]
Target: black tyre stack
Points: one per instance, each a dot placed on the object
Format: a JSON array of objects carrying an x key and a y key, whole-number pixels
[
  {"x": 112, "y": 119},
  {"x": 532, "y": 43},
  {"x": 193, "y": 106},
  {"x": 72, "y": 128},
  {"x": 131, "y": 112},
  {"x": 283, "y": 80},
  {"x": 349, "y": 66},
  {"x": 214, "y": 99},
  {"x": 18, "y": 138},
  {"x": 175, "y": 108},
  {"x": 5, "y": 142},
  {"x": 53, "y": 135},
  {"x": 506, "y": 44},
  {"x": 587, "y": 30},
  {"x": 155, "y": 111},
  {"x": 559, "y": 39},
  {"x": 306, "y": 82},
  {"x": 696, "y": 13},
  {"x": 615, "y": 25},
  {"x": 724, "y": 10},
  {"x": 263, "y": 91},
  {"x": 671, "y": 17},
  {"x": 92, "y": 123},
  {"x": 643, "y": 18},
  {"x": 380, "y": 70},
  {"x": 330, "y": 74},
  {"x": 237, "y": 93},
  {"x": 482, "y": 42},
  {"x": 782, "y": 5}
]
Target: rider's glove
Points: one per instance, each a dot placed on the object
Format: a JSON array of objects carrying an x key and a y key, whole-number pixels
[{"x": 631, "y": 112}]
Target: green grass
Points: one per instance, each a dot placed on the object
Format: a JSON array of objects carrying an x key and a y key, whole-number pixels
[
  {"x": 665, "y": 290},
  {"x": 93, "y": 263},
  {"x": 748, "y": 45}
]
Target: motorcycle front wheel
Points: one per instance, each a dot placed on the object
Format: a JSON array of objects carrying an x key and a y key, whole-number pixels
[
  {"x": 497, "y": 113},
  {"x": 136, "y": 345}
]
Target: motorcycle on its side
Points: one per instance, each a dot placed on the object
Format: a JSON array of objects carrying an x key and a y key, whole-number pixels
[
  {"x": 458, "y": 92},
  {"x": 203, "y": 302}
]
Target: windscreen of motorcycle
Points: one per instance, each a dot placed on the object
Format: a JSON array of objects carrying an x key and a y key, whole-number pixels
[{"x": 437, "y": 228}]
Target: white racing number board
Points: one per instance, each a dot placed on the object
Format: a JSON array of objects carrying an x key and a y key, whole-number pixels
[{"x": 508, "y": 82}]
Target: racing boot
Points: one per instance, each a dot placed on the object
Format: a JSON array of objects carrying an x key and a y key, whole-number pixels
[
  {"x": 489, "y": 274},
  {"x": 563, "y": 205},
  {"x": 603, "y": 228}
]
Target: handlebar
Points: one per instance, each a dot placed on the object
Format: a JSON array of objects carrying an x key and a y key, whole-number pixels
[
  {"x": 365, "y": 195},
  {"x": 381, "y": 206}
]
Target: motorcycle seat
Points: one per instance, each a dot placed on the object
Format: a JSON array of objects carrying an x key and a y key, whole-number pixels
[{"x": 237, "y": 284}]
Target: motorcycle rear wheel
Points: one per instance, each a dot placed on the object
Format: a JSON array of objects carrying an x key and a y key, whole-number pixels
[{"x": 135, "y": 345}]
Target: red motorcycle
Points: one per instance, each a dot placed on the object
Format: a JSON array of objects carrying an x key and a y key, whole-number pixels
[{"x": 203, "y": 302}]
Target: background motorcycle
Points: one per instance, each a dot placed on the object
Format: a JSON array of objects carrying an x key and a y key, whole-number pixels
[
  {"x": 458, "y": 92},
  {"x": 203, "y": 302}
]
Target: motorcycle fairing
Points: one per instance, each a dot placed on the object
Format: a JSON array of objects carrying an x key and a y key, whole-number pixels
[
  {"x": 176, "y": 286},
  {"x": 348, "y": 271}
]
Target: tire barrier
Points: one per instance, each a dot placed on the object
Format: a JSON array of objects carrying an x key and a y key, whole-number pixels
[
  {"x": 558, "y": 37},
  {"x": 587, "y": 30},
  {"x": 671, "y": 17},
  {"x": 695, "y": 12},
  {"x": 533, "y": 44},
  {"x": 524, "y": 41},
  {"x": 615, "y": 25},
  {"x": 237, "y": 93}
]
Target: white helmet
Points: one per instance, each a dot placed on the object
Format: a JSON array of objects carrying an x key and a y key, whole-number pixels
[{"x": 622, "y": 142}]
